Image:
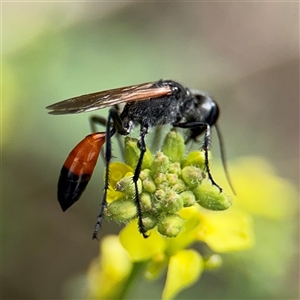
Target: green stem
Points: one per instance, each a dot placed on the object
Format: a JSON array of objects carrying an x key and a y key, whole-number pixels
[{"x": 138, "y": 267}]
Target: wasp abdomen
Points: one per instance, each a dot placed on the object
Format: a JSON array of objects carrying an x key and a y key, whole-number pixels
[{"x": 78, "y": 169}]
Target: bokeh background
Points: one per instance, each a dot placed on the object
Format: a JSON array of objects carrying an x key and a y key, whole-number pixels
[{"x": 246, "y": 55}]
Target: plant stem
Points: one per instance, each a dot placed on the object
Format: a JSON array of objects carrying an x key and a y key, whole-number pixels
[{"x": 137, "y": 269}]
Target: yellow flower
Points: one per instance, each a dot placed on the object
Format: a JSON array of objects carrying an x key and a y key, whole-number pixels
[
  {"x": 177, "y": 218},
  {"x": 184, "y": 269},
  {"x": 107, "y": 273},
  {"x": 222, "y": 234},
  {"x": 260, "y": 190},
  {"x": 232, "y": 231},
  {"x": 167, "y": 184},
  {"x": 117, "y": 171}
]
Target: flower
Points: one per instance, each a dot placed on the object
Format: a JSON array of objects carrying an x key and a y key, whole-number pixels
[
  {"x": 108, "y": 273},
  {"x": 180, "y": 208},
  {"x": 168, "y": 182}
]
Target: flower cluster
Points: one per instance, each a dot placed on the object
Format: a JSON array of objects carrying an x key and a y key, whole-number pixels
[
  {"x": 180, "y": 207},
  {"x": 263, "y": 198},
  {"x": 168, "y": 182}
]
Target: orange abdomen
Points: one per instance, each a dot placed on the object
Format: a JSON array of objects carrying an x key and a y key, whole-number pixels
[{"x": 78, "y": 169}]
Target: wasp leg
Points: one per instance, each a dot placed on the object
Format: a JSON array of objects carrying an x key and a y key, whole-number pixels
[
  {"x": 137, "y": 171},
  {"x": 205, "y": 146},
  {"x": 118, "y": 108},
  {"x": 114, "y": 124},
  {"x": 98, "y": 120}
]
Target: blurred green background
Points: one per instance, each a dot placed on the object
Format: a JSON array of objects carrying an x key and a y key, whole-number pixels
[{"x": 246, "y": 55}]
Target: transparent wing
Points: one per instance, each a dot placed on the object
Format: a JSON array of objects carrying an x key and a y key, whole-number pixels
[{"x": 107, "y": 98}]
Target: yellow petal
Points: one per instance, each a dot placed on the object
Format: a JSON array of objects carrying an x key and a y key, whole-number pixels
[
  {"x": 259, "y": 189},
  {"x": 262, "y": 192},
  {"x": 189, "y": 232},
  {"x": 226, "y": 231},
  {"x": 137, "y": 246},
  {"x": 106, "y": 276},
  {"x": 114, "y": 259},
  {"x": 185, "y": 267},
  {"x": 117, "y": 170}
]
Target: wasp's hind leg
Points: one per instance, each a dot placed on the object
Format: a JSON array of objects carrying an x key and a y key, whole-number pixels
[
  {"x": 101, "y": 121},
  {"x": 113, "y": 125},
  {"x": 94, "y": 121}
]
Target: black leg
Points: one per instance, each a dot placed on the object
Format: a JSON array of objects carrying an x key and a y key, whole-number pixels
[
  {"x": 97, "y": 120},
  {"x": 137, "y": 171},
  {"x": 117, "y": 126},
  {"x": 118, "y": 109},
  {"x": 205, "y": 146}
]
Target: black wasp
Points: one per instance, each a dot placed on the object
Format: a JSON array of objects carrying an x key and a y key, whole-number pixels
[{"x": 149, "y": 105}]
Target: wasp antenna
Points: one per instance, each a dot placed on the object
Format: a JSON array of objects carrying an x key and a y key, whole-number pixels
[{"x": 223, "y": 157}]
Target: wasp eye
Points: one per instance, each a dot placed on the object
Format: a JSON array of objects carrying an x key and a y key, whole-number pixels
[{"x": 214, "y": 114}]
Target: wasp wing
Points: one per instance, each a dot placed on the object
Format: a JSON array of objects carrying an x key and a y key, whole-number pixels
[{"x": 108, "y": 98}]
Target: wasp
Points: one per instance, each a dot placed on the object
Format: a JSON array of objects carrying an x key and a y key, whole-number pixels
[{"x": 165, "y": 102}]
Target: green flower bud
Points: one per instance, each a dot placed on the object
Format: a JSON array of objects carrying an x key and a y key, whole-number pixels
[
  {"x": 171, "y": 202},
  {"x": 126, "y": 186},
  {"x": 145, "y": 174},
  {"x": 188, "y": 198},
  {"x": 160, "y": 163},
  {"x": 146, "y": 201},
  {"x": 172, "y": 178},
  {"x": 147, "y": 160},
  {"x": 157, "y": 200},
  {"x": 122, "y": 210},
  {"x": 149, "y": 185},
  {"x": 209, "y": 197},
  {"x": 213, "y": 262},
  {"x": 195, "y": 158},
  {"x": 192, "y": 175},
  {"x": 175, "y": 168},
  {"x": 159, "y": 194},
  {"x": 149, "y": 221},
  {"x": 179, "y": 186},
  {"x": 173, "y": 146},
  {"x": 132, "y": 154},
  {"x": 170, "y": 225},
  {"x": 160, "y": 178}
]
